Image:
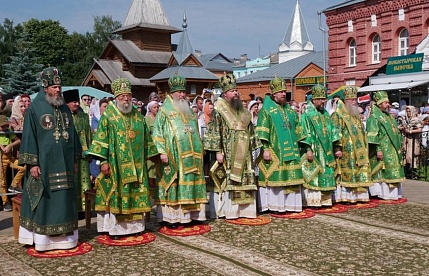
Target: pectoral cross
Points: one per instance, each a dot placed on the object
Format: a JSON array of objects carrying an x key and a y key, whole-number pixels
[{"x": 57, "y": 135}]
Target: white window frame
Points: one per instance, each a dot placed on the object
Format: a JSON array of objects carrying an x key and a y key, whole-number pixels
[
  {"x": 373, "y": 20},
  {"x": 376, "y": 49},
  {"x": 403, "y": 42},
  {"x": 352, "y": 52},
  {"x": 401, "y": 15},
  {"x": 350, "y": 26}
]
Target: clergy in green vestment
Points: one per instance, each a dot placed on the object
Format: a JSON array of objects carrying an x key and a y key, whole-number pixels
[
  {"x": 50, "y": 149},
  {"x": 181, "y": 192},
  {"x": 353, "y": 170},
  {"x": 83, "y": 129},
  {"x": 231, "y": 135},
  {"x": 385, "y": 152},
  {"x": 280, "y": 174},
  {"x": 123, "y": 144},
  {"x": 318, "y": 166}
]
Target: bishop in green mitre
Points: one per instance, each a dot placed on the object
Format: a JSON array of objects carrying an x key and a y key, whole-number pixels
[
  {"x": 354, "y": 171},
  {"x": 385, "y": 152},
  {"x": 280, "y": 174},
  {"x": 230, "y": 134},
  {"x": 50, "y": 149},
  {"x": 123, "y": 144},
  {"x": 181, "y": 193},
  {"x": 319, "y": 164}
]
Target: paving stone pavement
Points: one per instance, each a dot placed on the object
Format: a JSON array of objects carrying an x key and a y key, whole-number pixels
[{"x": 413, "y": 190}]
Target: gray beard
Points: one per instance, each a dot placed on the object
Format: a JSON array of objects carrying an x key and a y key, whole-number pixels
[
  {"x": 124, "y": 109},
  {"x": 182, "y": 106},
  {"x": 237, "y": 104},
  {"x": 353, "y": 110},
  {"x": 55, "y": 101}
]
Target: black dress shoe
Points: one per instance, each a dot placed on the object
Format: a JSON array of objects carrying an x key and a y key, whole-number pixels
[
  {"x": 115, "y": 237},
  {"x": 172, "y": 225}
]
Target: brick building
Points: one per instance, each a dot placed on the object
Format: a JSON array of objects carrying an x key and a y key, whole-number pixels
[{"x": 363, "y": 34}]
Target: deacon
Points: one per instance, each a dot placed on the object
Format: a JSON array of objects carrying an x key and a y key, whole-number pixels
[
  {"x": 385, "y": 151},
  {"x": 81, "y": 123},
  {"x": 50, "y": 149},
  {"x": 354, "y": 170},
  {"x": 123, "y": 144},
  {"x": 280, "y": 175},
  {"x": 319, "y": 168},
  {"x": 230, "y": 134},
  {"x": 181, "y": 189}
]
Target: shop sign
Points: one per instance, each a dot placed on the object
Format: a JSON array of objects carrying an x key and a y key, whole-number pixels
[
  {"x": 309, "y": 81},
  {"x": 404, "y": 64}
]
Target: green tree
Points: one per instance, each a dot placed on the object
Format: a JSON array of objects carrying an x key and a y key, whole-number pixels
[
  {"x": 82, "y": 49},
  {"x": 21, "y": 74},
  {"x": 8, "y": 37},
  {"x": 47, "y": 38},
  {"x": 104, "y": 26}
]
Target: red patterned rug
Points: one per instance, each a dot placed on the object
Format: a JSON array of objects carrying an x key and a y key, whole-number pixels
[
  {"x": 329, "y": 210},
  {"x": 389, "y": 201},
  {"x": 261, "y": 220},
  {"x": 80, "y": 249},
  {"x": 127, "y": 240},
  {"x": 185, "y": 230},
  {"x": 306, "y": 213},
  {"x": 362, "y": 205}
]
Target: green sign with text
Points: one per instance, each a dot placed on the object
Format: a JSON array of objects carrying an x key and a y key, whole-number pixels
[
  {"x": 307, "y": 81},
  {"x": 404, "y": 64}
]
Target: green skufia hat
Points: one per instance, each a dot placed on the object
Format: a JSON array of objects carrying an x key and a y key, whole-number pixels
[
  {"x": 227, "y": 82},
  {"x": 380, "y": 97},
  {"x": 121, "y": 86},
  {"x": 277, "y": 85},
  {"x": 50, "y": 76},
  {"x": 177, "y": 83},
  {"x": 350, "y": 92},
  {"x": 318, "y": 92}
]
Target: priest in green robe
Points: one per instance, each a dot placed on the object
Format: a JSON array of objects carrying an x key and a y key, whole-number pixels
[
  {"x": 354, "y": 171},
  {"x": 231, "y": 135},
  {"x": 319, "y": 164},
  {"x": 81, "y": 123},
  {"x": 50, "y": 149},
  {"x": 123, "y": 144},
  {"x": 385, "y": 152},
  {"x": 280, "y": 175},
  {"x": 181, "y": 192}
]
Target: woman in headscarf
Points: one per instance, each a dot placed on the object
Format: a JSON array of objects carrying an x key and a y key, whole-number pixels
[
  {"x": 151, "y": 111},
  {"x": 411, "y": 127},
  {"x": 253, "y": 108},
  {"x": 16, "y": 120}
]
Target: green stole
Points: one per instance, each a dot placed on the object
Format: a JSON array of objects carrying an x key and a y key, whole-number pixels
[
  {"x": 357, "y": 137},
  {"x": 283, "y": 122},
  {"x": 238, "y": 124},
  {"x": 388, "y": 124},
  {"x": 185, "y": 129},
  {"x": 316, "y": 119}
]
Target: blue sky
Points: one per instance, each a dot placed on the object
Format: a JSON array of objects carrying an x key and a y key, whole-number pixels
[{"x": 232, "y": 27}]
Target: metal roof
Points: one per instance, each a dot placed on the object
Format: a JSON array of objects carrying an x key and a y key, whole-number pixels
[
  {"x": 113, "y": 70},
  {"x": 343, "y": 4},
  {"x": 296, "y": 31},
  {"x": 287, "y": 70},
  {"x": 133, "y": 54},
  {"x": 188, "y": 72},
  {"x": 217, "y": 62}
]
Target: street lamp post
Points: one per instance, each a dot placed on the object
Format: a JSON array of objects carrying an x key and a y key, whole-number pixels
[{"x": 319, "y": 13}]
